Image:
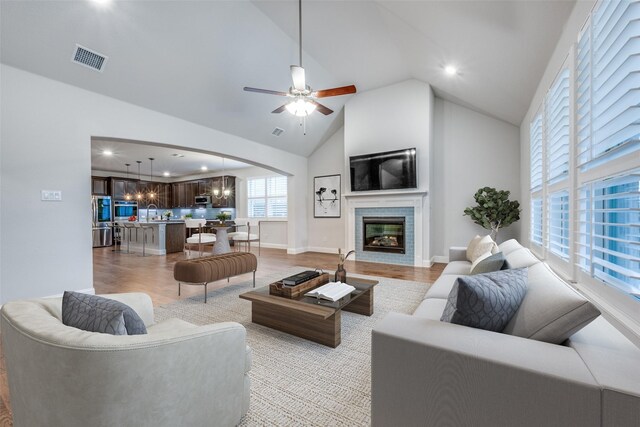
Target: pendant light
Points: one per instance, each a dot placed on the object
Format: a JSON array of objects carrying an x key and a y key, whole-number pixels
[
  {"x": 138, "y": 190},
  {"x": 225, "y": 193},
  {"x": 151, "y": 193},
  {"x": 127, "y": 196}
]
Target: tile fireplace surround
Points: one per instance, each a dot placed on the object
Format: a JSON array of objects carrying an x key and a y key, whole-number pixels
[{"x": 393, "y": 204}]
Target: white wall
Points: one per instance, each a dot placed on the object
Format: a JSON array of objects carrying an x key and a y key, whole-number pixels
[
  {"x": 568, "y": 37},
  {"x": 470, "y": 151},
  {"x": 46, "y": 145},
  {"x": 389, "y": 118},
  {"x": 327, "y": 234}
]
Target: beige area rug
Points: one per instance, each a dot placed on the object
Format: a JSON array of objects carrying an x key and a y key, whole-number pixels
[{"x": 295, "y": 382}]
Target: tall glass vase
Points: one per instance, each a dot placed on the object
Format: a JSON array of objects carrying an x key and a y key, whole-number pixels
[{"x": 341, "y": 274}]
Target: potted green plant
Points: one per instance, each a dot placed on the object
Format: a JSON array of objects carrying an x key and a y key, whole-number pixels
[
  {"x": 189, "y": 215},
  {"x": 494, "y": 210},
  {"x": 222, "y": 217},
  {"x": 167, "y": 214}
]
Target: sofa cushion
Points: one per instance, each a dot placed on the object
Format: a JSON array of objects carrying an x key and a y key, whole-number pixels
[
  {"x": 477, "y": 247},
  {"x": 486, "y": 301},
  {"x": 442, "y": 287},
  {"x": 170, "y": 325},
  {"x": 521, "y": 258},
  {"x": 551, "y": 311},
  {"x": 457, "y": 267},
  {"x": 478, "y": 260},
  {"x": 509, "y": 246},
  {"x": 489, "y": 264},
  {"x": 431, "y": 308},
  {"x": 98, "y": 314}
]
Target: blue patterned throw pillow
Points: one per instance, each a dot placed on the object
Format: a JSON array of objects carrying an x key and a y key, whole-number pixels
[
  {"x": 98, "y": 314},
  {"x": 486, "y": 301}
]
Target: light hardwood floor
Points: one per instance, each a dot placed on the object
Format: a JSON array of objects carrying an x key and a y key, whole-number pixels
[{"x": 116, "y": 272}]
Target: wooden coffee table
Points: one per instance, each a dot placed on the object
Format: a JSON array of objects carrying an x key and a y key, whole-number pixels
[{"x": 306, "y": 317}]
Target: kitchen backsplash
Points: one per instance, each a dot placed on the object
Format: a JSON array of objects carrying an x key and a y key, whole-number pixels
[{"x": 207, "y": 213}]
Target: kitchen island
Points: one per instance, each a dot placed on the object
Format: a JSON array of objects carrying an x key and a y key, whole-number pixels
[{"x": 163, "y": 237}]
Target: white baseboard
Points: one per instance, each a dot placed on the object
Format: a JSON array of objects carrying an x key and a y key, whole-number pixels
[
  {"x": 440, "y": 259},
  {"x": 272, "y": 245},
  {"x": 296, "y": 251},
  {"x": 90, "y": 291},
  {"x": 323, "y": 250},
  {"x": 427, "y": 263}
]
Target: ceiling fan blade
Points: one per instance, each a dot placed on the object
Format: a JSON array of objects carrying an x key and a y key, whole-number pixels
[
  {"x": 297, "y": 75},
  {"x": 280, "y": 109},
  {"x": 267, "y": 91},
  {"x": 321, "y": 108},
  {"x": 336, "y": 91}
]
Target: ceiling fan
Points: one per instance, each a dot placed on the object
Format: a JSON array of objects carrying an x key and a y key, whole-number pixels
[{"x": 303, "y": 98}]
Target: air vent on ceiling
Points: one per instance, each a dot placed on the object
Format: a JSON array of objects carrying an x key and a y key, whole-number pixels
[
  {"x": 277, "y": 132},
  {"x": 89, "y": 58}
]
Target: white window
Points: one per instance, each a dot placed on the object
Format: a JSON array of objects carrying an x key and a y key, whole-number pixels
[
  {"x": 535, "y": 132},
  {"x": 608, "y": 140},
  {"x": 558, "y": 224},
  {"x": 557, "y": 129},
  {"x": 267, "y": 197},
  {"x": 536, "y": 221}
]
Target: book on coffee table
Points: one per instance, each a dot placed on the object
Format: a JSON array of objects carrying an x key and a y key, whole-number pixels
[
  {"x": 296, "y": 279},
  {"x": 332, "y": 291}
]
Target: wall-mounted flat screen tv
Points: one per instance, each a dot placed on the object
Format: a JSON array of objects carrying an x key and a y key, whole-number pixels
[{"x": 391, "y": 170}]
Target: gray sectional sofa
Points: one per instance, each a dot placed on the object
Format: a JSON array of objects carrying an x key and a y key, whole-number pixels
[{"x": 430, "y": 373}]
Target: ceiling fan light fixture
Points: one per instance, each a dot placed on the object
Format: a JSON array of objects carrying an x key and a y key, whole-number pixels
[{"x": 301, "y": 107}]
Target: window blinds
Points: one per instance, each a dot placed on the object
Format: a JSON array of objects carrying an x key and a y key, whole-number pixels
[
  {"x": 608, "y": 84},
  {"x": 267, "y": 197},
  {"x": 536, "y": 221},
  {"x": 609, "y": 231},
  {"x": 536, "y": 152},
  {"x": 557, "y": 128},
  {"x": 558, "y": 223}
]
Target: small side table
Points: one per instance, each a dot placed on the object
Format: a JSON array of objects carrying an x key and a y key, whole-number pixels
[{"x": 222, "y": 239}]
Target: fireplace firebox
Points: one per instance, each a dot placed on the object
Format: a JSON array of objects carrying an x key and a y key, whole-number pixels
[{"x": 383, "y": 234}]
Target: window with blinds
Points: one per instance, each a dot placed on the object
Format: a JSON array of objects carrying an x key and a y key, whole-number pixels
[
  {"x": 536, "y": 221},
  {"x": 557, "y": 128},
  {"x": 609, "y": 231},
  {"x": 608, "y": 83},
  {"x": 267, "y": 197},
  {"x": 558, "y": 223},
  {"x": 535, "y": 132}
]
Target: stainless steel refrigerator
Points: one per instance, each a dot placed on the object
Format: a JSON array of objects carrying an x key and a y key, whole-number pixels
[{"x": 101, "y": 210}]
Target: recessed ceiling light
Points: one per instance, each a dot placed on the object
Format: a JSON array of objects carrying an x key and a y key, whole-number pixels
[
  {"x": 178, "y": 155},
  {"x": 450, "y": 70},
  {"x": 204, "y": 168},
  {"x": 167, "y": 174},
  {"x": 101, "y": 2},
  {"x": 107, "y": 153}
]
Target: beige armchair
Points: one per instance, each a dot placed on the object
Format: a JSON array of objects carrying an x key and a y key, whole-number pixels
[{"x": 177, "y": 374}]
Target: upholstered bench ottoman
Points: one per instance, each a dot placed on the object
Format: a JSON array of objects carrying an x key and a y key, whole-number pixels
[{"x": 202, "y": 271}]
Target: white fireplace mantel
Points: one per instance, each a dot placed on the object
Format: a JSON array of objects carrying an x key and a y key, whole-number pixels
[{"x": 400, "y": 199}]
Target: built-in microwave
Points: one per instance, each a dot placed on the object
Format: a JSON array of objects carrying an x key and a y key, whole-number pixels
[
  {"x": 203, "y": 200},
  {"x": 123, "y": 209}
]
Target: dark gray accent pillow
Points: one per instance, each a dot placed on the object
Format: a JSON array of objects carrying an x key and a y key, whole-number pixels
[
  {"x": 486, "y": 301},
  {"x": 98, "y": 314},
  {"x": 506, "y": 265},
  {"x": 492, "y": 263}
]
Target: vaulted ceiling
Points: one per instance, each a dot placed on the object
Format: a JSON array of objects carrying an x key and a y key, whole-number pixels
[{"x": 190, "y": 59}]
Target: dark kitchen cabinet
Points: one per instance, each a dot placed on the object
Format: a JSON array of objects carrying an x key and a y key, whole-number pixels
[
  {"x": 164, "y": 196},
  {"x": 183, "y": 194},
  {"x": 99, "y": 186},
  {"x": 121, "y": 187},
  {"x": 230, "y": 183}
]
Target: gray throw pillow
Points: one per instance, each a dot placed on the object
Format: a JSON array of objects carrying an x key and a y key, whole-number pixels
[
  {"x": 486, "y": 301},
  {"x": 98, "y": 314},
  {"x": 492, "y": 263}
]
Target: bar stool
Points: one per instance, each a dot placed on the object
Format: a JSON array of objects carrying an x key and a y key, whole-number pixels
[
  {"x": 128, "y": 228},
  {"x": 144, "y": 228},
  {"x": 118, "y": 235}
]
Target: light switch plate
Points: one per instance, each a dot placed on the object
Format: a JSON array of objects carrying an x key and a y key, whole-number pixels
[{"x": 51, "y": 195}]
